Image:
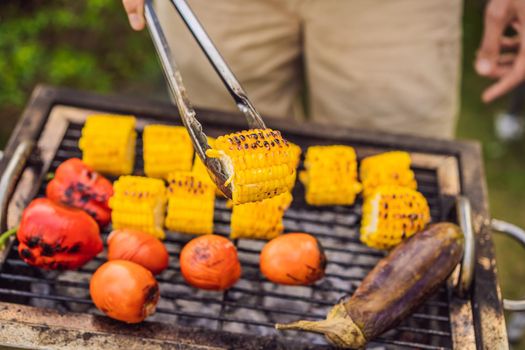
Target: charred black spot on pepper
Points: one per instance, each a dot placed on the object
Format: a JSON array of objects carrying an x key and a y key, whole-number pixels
[
  {"x": 47, "y": 249},
  {"x": 26, "y": 254},
  {"x": 69, "y": 191},
  {"x": 33, "y": 241},
  {"x": 85, "y": 198},
  {"x": 75, "y": 248},
  {"x": 59, "y": 248}
]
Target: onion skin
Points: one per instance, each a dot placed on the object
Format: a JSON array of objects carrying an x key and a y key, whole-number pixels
[
  {"x": 139, "y": 247},
  {"x": 397, "y": 285},
  {"x": 210, "y": 262},
  {"x": 124, "y": 291},
  {"x": 293, "y": 259}
]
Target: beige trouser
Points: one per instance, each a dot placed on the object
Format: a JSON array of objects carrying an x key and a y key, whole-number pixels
[{"x": 377, "y": 64}]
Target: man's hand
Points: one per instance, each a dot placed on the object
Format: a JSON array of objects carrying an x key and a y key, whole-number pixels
[
  {"x": 501, "y": 57},
  {"x": 135, "y": 11}
]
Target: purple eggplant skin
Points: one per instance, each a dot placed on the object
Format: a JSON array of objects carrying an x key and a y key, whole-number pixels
[
  {"x": 395, "y": 287},
  {"x": 403, "y": 280}
]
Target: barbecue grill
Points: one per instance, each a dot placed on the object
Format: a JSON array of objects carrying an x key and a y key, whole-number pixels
[{"x": 54, "y": 310}]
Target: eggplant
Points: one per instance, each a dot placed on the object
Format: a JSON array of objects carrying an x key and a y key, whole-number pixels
[{"x": 397, "y": 285}]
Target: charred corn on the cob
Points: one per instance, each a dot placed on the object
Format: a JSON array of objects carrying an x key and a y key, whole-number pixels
[
  {"x": 260, "y": 220},
  {"x": 108, "y": 143},
  {"x": 391, "y": 214},
  {"x": 261, "y": 162},
  {"x": 166, "y": 149},
  {"x": 139, "y": 203},
  {"x": 190, "y": 203},
  {"x": 330, "y": 177},
  {"x": 390, "y": 168}
]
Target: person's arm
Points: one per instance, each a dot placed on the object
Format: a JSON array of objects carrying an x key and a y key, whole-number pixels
[
  {"x": 507, "y": 67},
  {"x": 135, "y": 11}
]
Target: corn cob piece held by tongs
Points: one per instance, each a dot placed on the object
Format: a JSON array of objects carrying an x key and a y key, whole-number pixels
[{"x": 220, "y": 168}]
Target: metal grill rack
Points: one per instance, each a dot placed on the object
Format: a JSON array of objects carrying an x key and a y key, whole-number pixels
[
  {"x": 253, "y": 304},
  {"x": 36, "y": 302}
]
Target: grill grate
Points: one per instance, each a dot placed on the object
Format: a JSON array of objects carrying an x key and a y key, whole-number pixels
[{"x": 253, "y": 305}]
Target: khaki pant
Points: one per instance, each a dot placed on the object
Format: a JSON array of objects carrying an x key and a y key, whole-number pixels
[{"x": 378, "y": 64}]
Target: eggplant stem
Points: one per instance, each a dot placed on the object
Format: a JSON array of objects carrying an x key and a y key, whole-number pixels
[
  {"x": 338, "y": 328},
  {"x": 312, "y": 326},
  {"x": 5, "y": 236}
]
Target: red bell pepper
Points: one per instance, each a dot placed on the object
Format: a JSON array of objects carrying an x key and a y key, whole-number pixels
[
  {"x": 54, "y": 236},
  {"x": 75, "y": 184}
]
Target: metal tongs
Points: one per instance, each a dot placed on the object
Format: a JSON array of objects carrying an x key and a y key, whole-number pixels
[{"x": 218, "y": 168}]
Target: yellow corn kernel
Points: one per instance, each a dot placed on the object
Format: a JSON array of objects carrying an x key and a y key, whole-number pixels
[
  {"x": 108, "y": 143},
  {"x": 296, "y": 151},
  {"x": 200, "y": 169},
  {"x": 261, "y": 162},
  {"x": 139, "y": 203},
  {"x": 392, "y": 214},
  {"x": 390, "y": 168},
  {"x": 166, "y": 149},
  {"x": 191, "y": 201},
  {"x": 260, "y": 220},
  {"x": 330, "y": 177}
]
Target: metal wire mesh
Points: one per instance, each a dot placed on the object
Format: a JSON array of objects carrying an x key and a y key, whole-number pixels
[{"x": 253, "y": 305}]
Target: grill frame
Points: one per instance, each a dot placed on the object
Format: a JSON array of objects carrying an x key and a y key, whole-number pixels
[{"x": 484, "y": 304}]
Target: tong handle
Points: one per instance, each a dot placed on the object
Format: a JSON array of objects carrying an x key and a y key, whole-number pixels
[
  {"x": 173, "y": 76},
  {"x": 228, "y": 78},
  {"x": 218, "y": 171}
]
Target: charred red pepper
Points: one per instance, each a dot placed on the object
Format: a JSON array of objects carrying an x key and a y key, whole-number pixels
[
  {"x": 75, "y": 184},
  {"x": 54, "y": 236}
]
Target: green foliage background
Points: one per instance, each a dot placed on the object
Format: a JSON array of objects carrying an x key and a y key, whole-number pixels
[
  {"x": 82, "y": 44},
  {"x": 87, "y": 44}
]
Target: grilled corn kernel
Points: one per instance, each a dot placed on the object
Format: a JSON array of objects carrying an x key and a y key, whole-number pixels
[
  {"x": 296, "y": 152},
  {"x": 108, "y": 143},
  {"x": 261, "y": 162},
  {"x": 390, "y": 168},
  {"x": 166, "y": 149},
  {"x": 330, "y": 177},
  {"x": 392, "y": 214},
  {"x": 200, "y": 169},
  {"x": 139, "y": 203},
  {"x": 191, "y": 202},
  {"x": 260, "y": 220}
]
